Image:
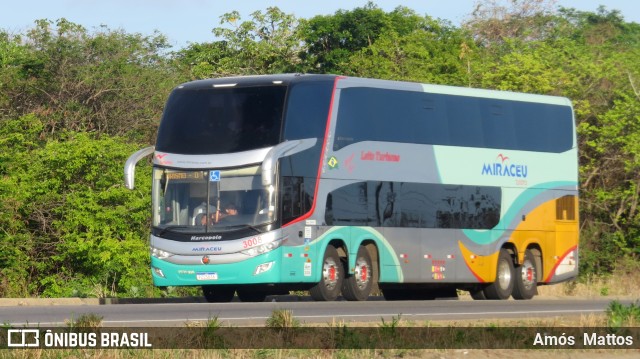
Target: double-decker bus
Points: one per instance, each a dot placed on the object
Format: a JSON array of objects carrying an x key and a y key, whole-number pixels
[{"x": 339, "y": 185}]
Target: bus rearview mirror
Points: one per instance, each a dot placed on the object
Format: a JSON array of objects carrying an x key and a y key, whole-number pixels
[{"x": 130, "y": 165}]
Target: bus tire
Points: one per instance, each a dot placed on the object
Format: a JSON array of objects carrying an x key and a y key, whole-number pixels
[
  {"x": 331, "y": 277},
  {"x": 478, "y": 294},
  {"x": 526, "y": 281},
  {"x": 358, "y": 285},
  {"x": 251, "y": 295},
  {"x": 218, "y": 293},
  {"x": 505, "y": 278}
]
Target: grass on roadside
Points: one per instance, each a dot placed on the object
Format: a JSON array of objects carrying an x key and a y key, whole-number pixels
[{"x": 618, "y": 284}]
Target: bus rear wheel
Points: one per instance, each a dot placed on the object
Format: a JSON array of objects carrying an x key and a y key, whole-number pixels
[
  {"x": 331, "y": 277},
  {"x": 505, "y": 278},
  {"x": 478, "y": 293},
  {"x": 358, "y": 285},
  {"x": 526, "y": 285},
  {"x": 218, "y": 293}
]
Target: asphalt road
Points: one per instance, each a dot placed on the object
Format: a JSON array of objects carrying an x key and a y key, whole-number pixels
[{"x": 247, "y": 314}]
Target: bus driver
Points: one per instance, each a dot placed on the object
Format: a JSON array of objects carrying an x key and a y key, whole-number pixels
[{"x": 229, "y": 210}]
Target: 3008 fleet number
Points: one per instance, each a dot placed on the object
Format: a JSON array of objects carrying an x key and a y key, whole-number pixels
[{"x": 252, "y": 242}]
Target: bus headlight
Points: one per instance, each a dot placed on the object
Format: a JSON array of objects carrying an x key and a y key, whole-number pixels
[
  {"x": 158, "y": 272},
  {"x": 252, "y": 252},
  {"x": 159, "y": 253}
]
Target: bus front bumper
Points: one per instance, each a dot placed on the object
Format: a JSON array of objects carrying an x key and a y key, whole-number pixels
[{"x": 261, "y": 269}]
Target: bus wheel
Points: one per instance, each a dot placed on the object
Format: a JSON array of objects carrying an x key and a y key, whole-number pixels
[
  {"x": 358, "y": 286},
  {"x": 478, "y": 293},
  {"x": 526, "y": 285},
  {"x": 250, "y": 295},
  {"x": 218, "y": 293},
  {"x": 505, "y": 275},
  {"x": 331, "y": 278}
]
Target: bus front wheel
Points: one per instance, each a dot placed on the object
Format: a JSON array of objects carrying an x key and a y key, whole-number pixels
[
  {"x": 505, "y": 278},
  {"x": 331, "y": 277},
  {"x": 526, "y": 285},
  {"x": 358, "y": 285},
  {"x": 218, "y": 293}
]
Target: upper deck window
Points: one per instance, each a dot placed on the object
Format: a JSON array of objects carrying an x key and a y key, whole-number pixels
[
  {"x": 221, "y": 120},
  {"x": 374, "y": 114}
]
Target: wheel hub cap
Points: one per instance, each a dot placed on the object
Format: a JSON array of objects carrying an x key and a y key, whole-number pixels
[
  {"x": 330, "y": 273},
  {"x": 504, "y": 275},
  {"x": 361, "y": 274},
  {"x": 528, "y": 274}
]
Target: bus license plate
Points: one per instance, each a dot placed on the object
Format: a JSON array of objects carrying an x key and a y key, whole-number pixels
[{"x": 207, "y": 276}]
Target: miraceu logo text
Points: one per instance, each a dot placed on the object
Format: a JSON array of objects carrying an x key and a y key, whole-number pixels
[{"x": 503, "y": 167}]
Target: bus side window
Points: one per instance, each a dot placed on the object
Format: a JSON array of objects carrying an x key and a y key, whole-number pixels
[{"x": 295, "y": 199}]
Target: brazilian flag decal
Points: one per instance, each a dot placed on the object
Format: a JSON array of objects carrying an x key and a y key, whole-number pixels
[{"x": 333, "y": 163}]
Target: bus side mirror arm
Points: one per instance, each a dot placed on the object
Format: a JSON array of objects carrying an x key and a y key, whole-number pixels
[
  {"x": 283, "y": 149},
  {"x": 130, "y": 165}
]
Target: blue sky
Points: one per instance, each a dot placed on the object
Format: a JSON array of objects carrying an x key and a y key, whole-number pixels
[{"x": 185, "y": 21}]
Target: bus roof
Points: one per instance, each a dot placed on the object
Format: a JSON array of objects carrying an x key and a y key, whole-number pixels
[
  {"x": 255, "y": 80},
  {"x": 286, "y": 79}
]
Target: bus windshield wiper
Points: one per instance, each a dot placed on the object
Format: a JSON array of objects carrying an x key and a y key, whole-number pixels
[
  {"x": 171, "y": 228},
  {"x": 243, "y": 226}
]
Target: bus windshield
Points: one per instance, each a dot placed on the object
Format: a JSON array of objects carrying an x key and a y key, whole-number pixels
[
  {"x": 206, "y": 201},
  {"x": 221, "y": 120}
]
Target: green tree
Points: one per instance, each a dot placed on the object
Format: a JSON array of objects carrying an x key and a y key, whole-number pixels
[
  {"x": 69, "y": 227},
  {"x": 333, "y": 38},
  {"x": 268, "y": 43},
  {"x": 495, "y": 21},
  {"x": 18, "y": 138},
  {"x": 431, "y": 53},
  {"x": 107, "y": 81}
]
